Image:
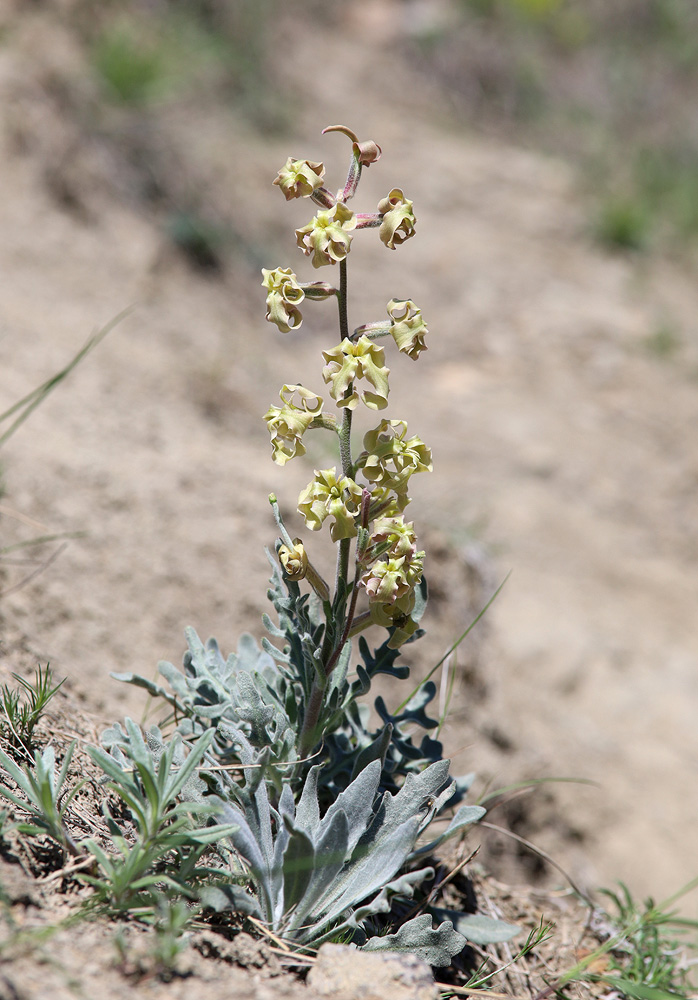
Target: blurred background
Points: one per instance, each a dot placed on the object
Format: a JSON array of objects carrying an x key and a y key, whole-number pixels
[{"x": 551, "y": 151}]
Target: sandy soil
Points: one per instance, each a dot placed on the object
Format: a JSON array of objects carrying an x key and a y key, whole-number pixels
[{"x": 564, "y": 447}]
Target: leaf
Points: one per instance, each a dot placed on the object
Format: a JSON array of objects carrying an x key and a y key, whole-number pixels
[
  {"x": 417, "y": 937},
  {"x": 476, "y": 927},
  {"x": 230, "y": 897},
  {"x": 464, "y": 817},
  {"x": 638, "y": 991}
]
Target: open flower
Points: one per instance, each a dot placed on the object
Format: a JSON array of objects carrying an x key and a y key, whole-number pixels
[
  {"x": 328, "y": 236},
  {"x": 328, "y": 496},
  {"x": 394, "y": 536},
  {"x": 299, "y": 178},
  {"x": 385, "y": 581},
  {"x": 288, "y": 423},
  {"x": 283, "y": 297},
  {"x": 398, "y": 219},
  {"x": 350, "y": 361},
  {"x": 408, "y": 329},
  {"x": 391, "y": 458}
]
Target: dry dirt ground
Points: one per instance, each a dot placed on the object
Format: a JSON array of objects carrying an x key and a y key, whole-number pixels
[{"x": 564, "y": 447}]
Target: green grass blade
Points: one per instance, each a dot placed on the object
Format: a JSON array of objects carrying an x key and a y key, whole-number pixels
[
  {"x": 455, "y": 645},
  {"x": 26, "y": 406}
]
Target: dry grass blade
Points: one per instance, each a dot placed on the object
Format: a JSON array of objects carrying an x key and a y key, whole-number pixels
[
  {"x": 37, "y": 572},
  {"x": 541, "y": 854}
]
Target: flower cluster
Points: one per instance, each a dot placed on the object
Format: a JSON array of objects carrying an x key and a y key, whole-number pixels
[{"x": 388, "y": 567}]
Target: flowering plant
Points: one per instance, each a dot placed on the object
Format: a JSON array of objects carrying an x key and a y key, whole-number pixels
[{"x": 321, "y": 813}]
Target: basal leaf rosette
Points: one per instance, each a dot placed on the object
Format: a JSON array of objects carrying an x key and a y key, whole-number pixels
[
  {"x": 299, "y": 178},
  {"x": 390, "y": 457},
  {"x": 407, "y": 328},
  {"x": 331, "y": 496},
  {"x": 398, "y": 222},
  {"x": 350, "y": 361},
  {"x": 328, "y": 236},
  {"x": 288, "y": 423},
  {"x": 284, "y": 295}
]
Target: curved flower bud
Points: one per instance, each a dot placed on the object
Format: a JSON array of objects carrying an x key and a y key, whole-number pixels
[
  {"x": 283, "y": 296},
  {"x": 294, "y": 560},
  {"x": 408, "y": 329},
  {"x": 299, "y": 178},
  {"x": 397, "y": 534},
  {"x": 328, "y": 236},
  {"x": 288, "y": 423},
  {"x": 354, "y": 360},
  {"x": 398, "y": 219},
  {"x": 328, "y": 496},
  {"x": 369, "y": 152},
  {"x": 390, "y": 458},
  {"x": 319, "y": 290}
]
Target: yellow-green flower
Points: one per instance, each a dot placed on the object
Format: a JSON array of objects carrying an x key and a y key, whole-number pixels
[
  {"x": 398, "y": 219},
  {"x": 288, "y": 423},
  {"x": 283, "y": 297},
  {"x": 391, "y": 458},
  {"x": 299, "y": 178},
  {"x": 385, "y": 581},
  {"x": 397, "y": 616},
  {"x": 294, "y": 560},
  {"x": 350, "y": 361},
  {"x": 328, "y": 236},
  {"x": 394, "y": 536},
  {"x": 408, "y": 329},
  {"x": 328, "y": 496}
]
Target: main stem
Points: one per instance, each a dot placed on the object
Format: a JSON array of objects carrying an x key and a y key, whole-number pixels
[{"x": 309, "y": 735}]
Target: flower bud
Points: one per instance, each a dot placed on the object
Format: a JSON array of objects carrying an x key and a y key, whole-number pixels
[
  {"x": 284, "y": 295},
  {"x": 408, "y": 329},
  {"x": 294, "y": 560},
  {"x": 288, "y": 423},
  {"x": 350, "y": 361},
  {"x": 369, "y": 152},
  {"x": 328, "y": 496},
  {"x": 319, "y": 290},
  {"x": 299, "y": 178},
  {"x": 328, "y": 236},
  {"x": 398, "y": 219}
]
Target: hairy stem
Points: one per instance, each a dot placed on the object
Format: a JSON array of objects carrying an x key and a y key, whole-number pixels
[{"x": 313, "y": 708}]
